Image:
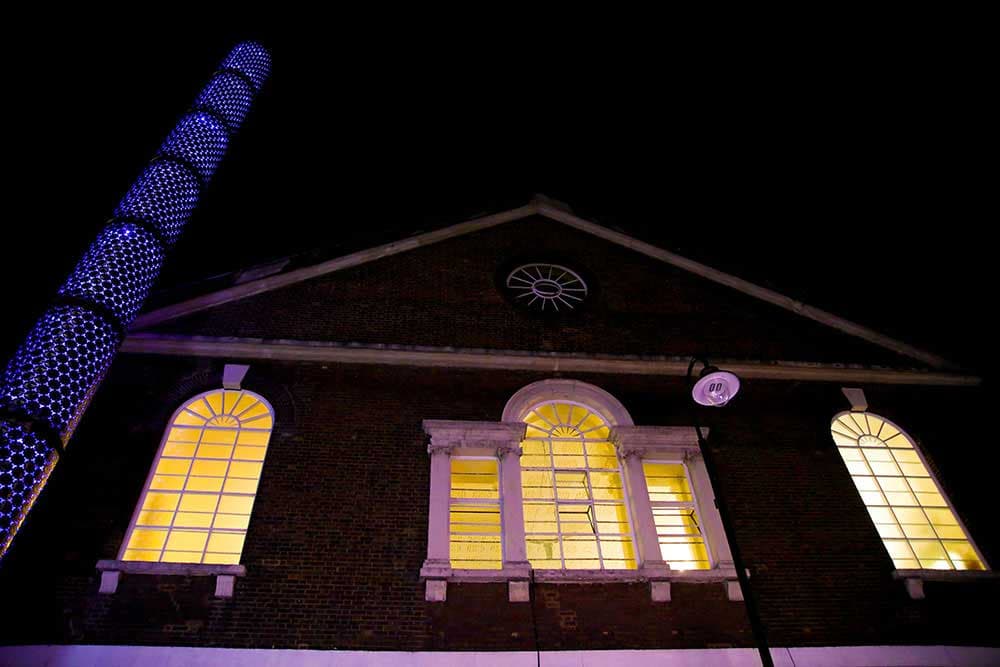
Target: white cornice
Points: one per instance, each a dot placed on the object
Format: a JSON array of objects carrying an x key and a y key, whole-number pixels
[{"x": 285, "y": 350}]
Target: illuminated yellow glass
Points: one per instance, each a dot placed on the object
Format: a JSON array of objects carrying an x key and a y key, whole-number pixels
[
  {"x": 574, "y": 500},
  {"x": 217, "y": 558},
  {"x": 197, "y": 505},
  {"x": 474, "y": 517},
  {"x": 908, "y": 509},
  {"x": 154, "y": 518},
  {"x": 147, "y": 539}
]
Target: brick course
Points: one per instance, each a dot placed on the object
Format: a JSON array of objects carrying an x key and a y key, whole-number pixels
[
  {"x": 338, "y": 532},
  {"x": 446, "y": 295}
]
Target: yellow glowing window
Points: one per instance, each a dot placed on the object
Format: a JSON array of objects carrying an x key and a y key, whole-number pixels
[
  {"x": 474, "y": 516},
  {"x": 678, "y": 531},
  {"x": 575, "y": 512},
  {"x": 197, "y": 502},
  {"x": 917, "y": 524}
]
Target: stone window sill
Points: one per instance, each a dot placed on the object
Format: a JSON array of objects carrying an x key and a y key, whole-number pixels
[
  {"x": 519, "y": 578},
  {"x": 225, "y": 575},
  {"x": 914, "y": 579}
]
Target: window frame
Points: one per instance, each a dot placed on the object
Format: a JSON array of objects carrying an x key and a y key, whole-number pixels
[
  {"x": 920, "y": 572},
  {"x": 225, "y": 574},
  {"x": 674, "y": 444},
  {"x": 159, "y": 456}
]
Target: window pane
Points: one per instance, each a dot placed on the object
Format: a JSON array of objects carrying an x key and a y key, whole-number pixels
[
  {"x": 147, "y": 539},
  {"x": 204, "y": 484},
  {"x": 909, "y": 511},
  {"x": 160, "y": 501},
  {"x": 154, "y": 518},
  {"x": 186, "y": 540},
  {"x": 682, "y": 544}
]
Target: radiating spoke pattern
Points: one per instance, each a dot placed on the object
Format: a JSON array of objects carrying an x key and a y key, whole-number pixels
[
  {"x": 678, "y": 531},
  {"x": 575, "y": 516},
  {"x": 474, "y": 516},
  {"x": 547, "y": 287},
  {"x": 915, "y": 521},
  {"x": 197, "y": 502}
]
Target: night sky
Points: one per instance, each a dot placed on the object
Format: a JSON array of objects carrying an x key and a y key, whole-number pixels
[{"x": 844, "y": 174}]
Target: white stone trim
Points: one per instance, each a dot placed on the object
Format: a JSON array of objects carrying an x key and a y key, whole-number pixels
[
  {"x": 856, "y": 397},
  {"x": 676, "y": 444},
  {"x": 233, "y": 374},
  {"x": 439, "y": 357},
  {"x": 225, "y": 575},
  {"x": 747, "y": 287},
  {"x": 77, "y": 655},
  {"x": 664, "y": 443},
  {"x": 473, "y": 438},
  {"x": 914, "y": 579},
  {"x": 558, "y": 213},
  {"x": 273, "y": 282},
  {"x": 574, "y": 391}
]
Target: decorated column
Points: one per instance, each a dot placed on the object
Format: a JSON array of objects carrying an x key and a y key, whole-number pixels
[{"x": 46, "y": 387}]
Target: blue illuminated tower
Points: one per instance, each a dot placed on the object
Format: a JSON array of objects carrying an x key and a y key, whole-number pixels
[{"x": 47, "y": 385}]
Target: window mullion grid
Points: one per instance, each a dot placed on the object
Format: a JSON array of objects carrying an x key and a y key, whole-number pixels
[
  {"x": 966, "y": 535},
  {"x": 927, "y": 518},
  {"x": 482, "y": 502},
  {"x": 225, "y": 478},
  {"x": 555, "y": 497},
  {"x": 693, "y": 506},
  {"x": 180, "y": 496}
]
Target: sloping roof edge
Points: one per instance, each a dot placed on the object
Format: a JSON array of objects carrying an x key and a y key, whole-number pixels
[{"x": 544, "y": 207}]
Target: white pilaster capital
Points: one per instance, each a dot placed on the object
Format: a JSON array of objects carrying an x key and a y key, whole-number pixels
[
  {"x": 454, "y": 434},
  {"x": 626, "y": 452},
  {"x": 508, "y": 448},
  {"x": 441, "y": 446},
  {"x": 643, "y": 440},
  {"x": 692, "y": 455}
]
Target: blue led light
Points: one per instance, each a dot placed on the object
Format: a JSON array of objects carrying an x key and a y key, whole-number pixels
[
  {"x": 47, "y": 385},
  {"x": 252, "y": 59},
  {"x": 164, "y": 196},
  {"x": 200, "y": 140},
  {"x": 118, "y": 270},
  {"x": 53, "y": 375},
  {"x": 26, "y": 460},
  {"x": 228, "y": 96}
]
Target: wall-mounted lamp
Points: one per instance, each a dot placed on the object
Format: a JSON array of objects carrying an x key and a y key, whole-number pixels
[{"x": 715, "y": 387}]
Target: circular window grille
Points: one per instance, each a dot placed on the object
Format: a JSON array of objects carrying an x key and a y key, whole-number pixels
[{"x": 547, "y": 287}]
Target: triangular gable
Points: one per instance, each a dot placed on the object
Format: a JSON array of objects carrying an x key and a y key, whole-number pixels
[{"x": 554, "y": 212}]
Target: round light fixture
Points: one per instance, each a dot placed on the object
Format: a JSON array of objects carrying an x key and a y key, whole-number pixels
[{"x": 715, "y": 388}]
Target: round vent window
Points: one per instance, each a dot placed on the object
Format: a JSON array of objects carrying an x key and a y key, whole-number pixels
[{"x": 547, "y": 288}]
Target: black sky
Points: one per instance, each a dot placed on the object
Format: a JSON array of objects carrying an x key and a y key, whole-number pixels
[{"x": 848, "y": 171}]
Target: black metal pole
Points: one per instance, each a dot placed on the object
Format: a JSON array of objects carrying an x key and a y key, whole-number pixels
[{"x": 756, "y": 625}]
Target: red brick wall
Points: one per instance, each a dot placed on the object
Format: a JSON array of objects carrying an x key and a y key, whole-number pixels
[
  {"x": 446, "y": 295},
  {"x": 339, "y": 528}
]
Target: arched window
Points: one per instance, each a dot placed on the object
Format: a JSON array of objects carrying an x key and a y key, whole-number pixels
[
  {"x": 196, "y": 504},
  {"x": 917, "y": 524},
  {"x": 575, "y": 512}
]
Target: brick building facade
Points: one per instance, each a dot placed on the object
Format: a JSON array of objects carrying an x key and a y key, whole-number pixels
[{"x": 356, "y": 354}]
